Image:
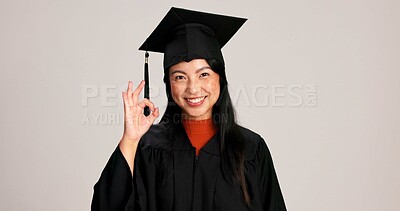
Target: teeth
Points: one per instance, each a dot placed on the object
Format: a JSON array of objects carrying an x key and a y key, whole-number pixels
[{"x": 195, "y": 100}]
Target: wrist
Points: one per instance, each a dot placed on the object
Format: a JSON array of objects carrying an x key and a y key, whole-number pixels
[{"x": 129, "y": 141}]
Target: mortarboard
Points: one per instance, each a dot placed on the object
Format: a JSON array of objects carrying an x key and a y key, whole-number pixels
[{"x": 183, "y": 35}]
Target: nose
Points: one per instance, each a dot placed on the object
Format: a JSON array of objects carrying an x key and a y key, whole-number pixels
[{"x": 193, "y": 86}]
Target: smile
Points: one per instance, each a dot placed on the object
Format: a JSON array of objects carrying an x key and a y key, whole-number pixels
[{"x": 195, "y": 101}]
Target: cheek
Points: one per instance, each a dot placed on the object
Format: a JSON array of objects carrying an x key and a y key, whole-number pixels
[
  {"x": 213, "y": 88},
  {"x": 216, "y": 91},
  {"x": 176, "y": 90}
]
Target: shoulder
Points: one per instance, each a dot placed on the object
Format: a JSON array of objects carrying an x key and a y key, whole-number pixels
[
  {"x": 249, "y": 135},
  {"x": 157, "y": 137},
  {"x": 253, "y": 142}
]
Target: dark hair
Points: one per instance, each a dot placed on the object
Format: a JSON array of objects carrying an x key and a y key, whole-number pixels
[{"x": 231, "y": 140}]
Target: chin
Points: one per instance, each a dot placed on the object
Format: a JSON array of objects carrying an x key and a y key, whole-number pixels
[{"x": 196, "y": 115}]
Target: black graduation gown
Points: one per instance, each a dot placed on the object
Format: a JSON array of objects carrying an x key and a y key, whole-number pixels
[{"x": 168, "y": 176}]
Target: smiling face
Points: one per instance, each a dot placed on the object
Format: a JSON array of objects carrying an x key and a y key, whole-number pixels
[{"x": 195, "y": 88}]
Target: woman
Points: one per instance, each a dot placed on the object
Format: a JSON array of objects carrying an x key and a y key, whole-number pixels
[{"x": 197, "y": 157}]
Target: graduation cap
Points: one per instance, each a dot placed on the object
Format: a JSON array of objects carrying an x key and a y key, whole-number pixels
[{"x": 184, "y": 35}]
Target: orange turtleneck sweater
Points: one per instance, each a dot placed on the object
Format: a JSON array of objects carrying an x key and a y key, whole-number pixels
[{"x": 199, "y": 132}]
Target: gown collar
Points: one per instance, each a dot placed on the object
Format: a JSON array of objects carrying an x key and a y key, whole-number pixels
[{"x": 181, "y": 141}]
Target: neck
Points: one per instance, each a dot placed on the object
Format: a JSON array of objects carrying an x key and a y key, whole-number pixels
[
  {"x": 199, "y": 126},
  {"x": 199, "y": 132}
]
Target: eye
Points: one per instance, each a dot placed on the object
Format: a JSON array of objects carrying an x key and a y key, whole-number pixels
[
  {"x": 204, "y": 75},
  {"x": 179, "y": 77}
]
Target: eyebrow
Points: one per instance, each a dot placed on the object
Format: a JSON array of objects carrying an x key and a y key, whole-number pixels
[{"x": 183, "y": 72}]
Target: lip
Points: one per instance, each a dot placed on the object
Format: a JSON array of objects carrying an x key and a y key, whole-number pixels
[{"x": 197, "y": 101}]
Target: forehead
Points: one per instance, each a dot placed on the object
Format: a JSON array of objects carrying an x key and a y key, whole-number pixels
[{"x": 194, "y": 65}]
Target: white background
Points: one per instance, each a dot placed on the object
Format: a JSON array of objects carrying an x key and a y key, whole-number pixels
[{"x": 340, "y": 153}]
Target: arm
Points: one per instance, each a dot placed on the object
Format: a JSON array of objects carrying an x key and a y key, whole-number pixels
[
  {"x": 128, "y": 149},
  {"x": 115, "y": 185},
  {"x": 136, "y": 124},
  {"x": 114, "y": 190}
]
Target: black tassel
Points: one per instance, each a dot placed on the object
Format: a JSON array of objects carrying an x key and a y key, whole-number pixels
[{"x": 146, "y": 79}]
